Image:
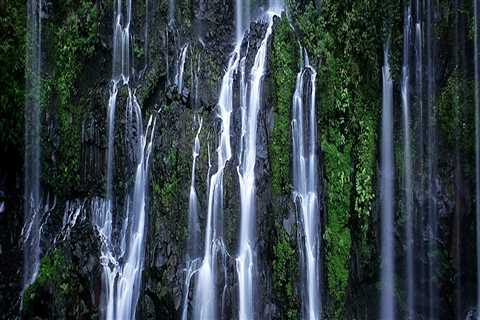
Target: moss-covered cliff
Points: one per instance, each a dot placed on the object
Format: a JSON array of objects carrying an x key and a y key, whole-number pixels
[{"x": 345, "y": 43}]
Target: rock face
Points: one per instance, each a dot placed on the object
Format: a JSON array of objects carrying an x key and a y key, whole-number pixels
[{"x": 344, "y": 41}]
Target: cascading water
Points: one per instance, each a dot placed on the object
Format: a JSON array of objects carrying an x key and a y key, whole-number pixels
[
  {"x": 407, "y": 167},
  {"x": 181, "y": 68},
  {"x": 305, "y": 193},
  {"x": 171, "y": 11},
  {"x": 387, "y": 307},
  {"x": 420, "y": 151},
  {"x": 276, "y": 5},
  {"x": 245, "y": 261},
  {"x": 73, "y": 211},
  {"x": 122, "y": 273},
  {"x": 193, "y": 241},
  {"x": 33, "y": 207},
  {"x": 133, "y": 235},
  {"x": 242, "y": 18},
  {"x": 122, "y": 260},
  {"x": 205, "y": 305},
  {"x": 193, "y": 205},
  {"x": 239, "y": 20}
]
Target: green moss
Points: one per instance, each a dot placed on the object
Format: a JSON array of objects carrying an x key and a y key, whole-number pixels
[
  {"x": 54, "y": 272},
  {"x": 284, "y": 58},
  {"x": 12, "y": 81},
  {"x": 449, "y": 110},
  {"x": 334, "y": 105},
  {"x": 455, "y": 105},
  {"x": 74, "y": 39},
  {"x": 337, "y": 234},
  {"x": 365, "y": 166},
  {"x": 168, "y": 193},
  {"x": 365, "y": 170},
  {"x": 344, "y": 35},
  {"x": 52, "y": 268},
  {"x": 168, "y": 185},
  {"x": 285, "y": 269}
]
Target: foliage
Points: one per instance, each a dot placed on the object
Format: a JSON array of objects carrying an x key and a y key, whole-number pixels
[
  {"x": 54, "y": 272},
  {"x": 344, "y": 36},
  {"x": 455, "y": 108},
  {"x": 12, "y": 64},
  {"x": 284, "y": 59},
  {"x": 170, "y": 174},
  {"x": 285, "y": 269},
  {"x": 74, "y": 41},
  {"x": 168, "y": 193},
  {"x": 337, "y": 234},
  {"x": 284, "y": 66}
]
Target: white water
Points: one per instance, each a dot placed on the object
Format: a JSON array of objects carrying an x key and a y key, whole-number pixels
[
  {"x": 171, "y": 11},
  {"x": 181, "y": 68},
  {"x": 193, "y": 205},
  {"x": 387, "y": 307},
  {"x": 239, "y": 27},
  {"x": 122, "y": 260},
  {"x": 122, "y": 271},
  {"x": 242, "y": 18},
  {"x": 245, "y": 261},
  {"x": 205, "y": 304},
  {"x": 74, "y": 210},
  {"x": 305, "y": 193},
  {"x": 407, "y": 167},
  {"x": 276, "y": 5},
  {"x": 33, "y": 211},
  {"x": 192, "y": 268},
  {"x": 193, "y": 249}
]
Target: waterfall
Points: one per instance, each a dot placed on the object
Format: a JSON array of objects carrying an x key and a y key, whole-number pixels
[
  {"x": 193, "y": 241},
  {"x": 276, "y": 5},
  {"x": 239, "y": 20},
  {"x": 122, "y": 273},
  {"x": 171, "y": 11},
  {"x": 305, "y": 193},
  {"x": 477, "y": 143},
  {"x": 73, "y": 211},
  {"x": 205, "y": 295},
  {"x": 181, "y": 68},
  {"x": 122, "y": 260},
  {"x": 193, "y": 205},
  {"x": 387, "y": 307},
  {"x": 245, "y": 261},
  {"x": 242, "y": 18},
  {"x": 34, "y": 214},
  {"x": 407, "y": 167}
]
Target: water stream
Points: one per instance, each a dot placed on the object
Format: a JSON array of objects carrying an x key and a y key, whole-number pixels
[
  {"x": 245, "y": 261},
  {"x": 205, "y": 299},
  {"x": 122, "y": 259},
  {"x": 387, "y": 305},
  {"x": 33, "y": 211},
  {"x": 181, "y": 68},
  {"x": 305, "y": 193},
  {"x": 193, "y": 239}
]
